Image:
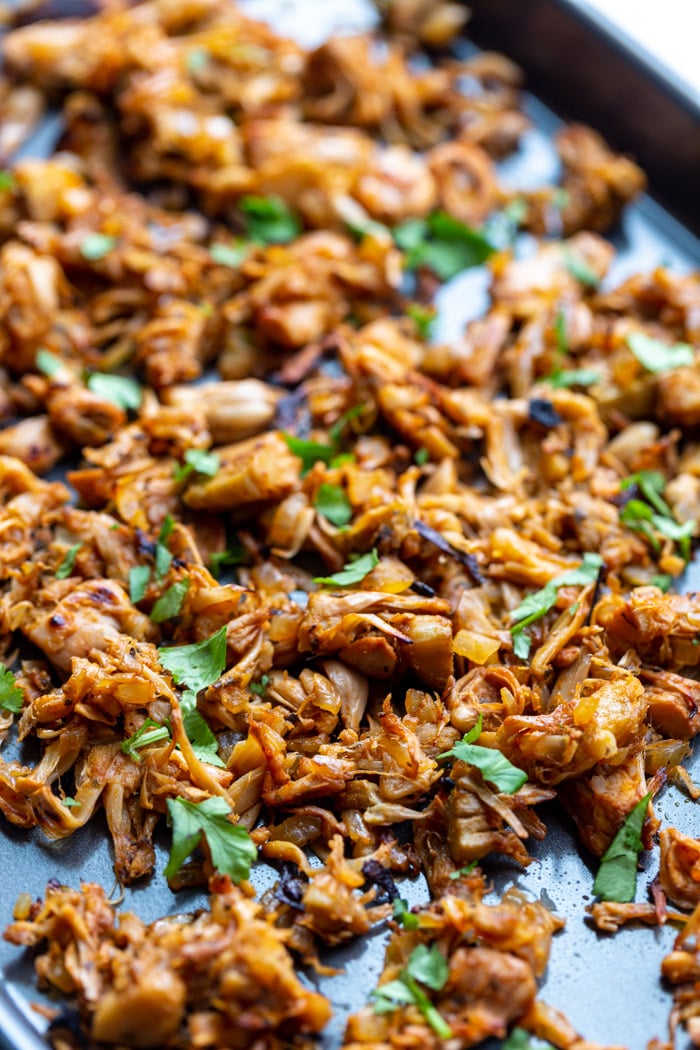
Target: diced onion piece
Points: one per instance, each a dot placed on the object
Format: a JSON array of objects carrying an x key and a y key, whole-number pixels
[{"x": 475, "y": 647}]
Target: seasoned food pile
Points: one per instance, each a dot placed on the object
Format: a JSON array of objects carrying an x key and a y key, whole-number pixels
[{"x": 318, "y": 588}]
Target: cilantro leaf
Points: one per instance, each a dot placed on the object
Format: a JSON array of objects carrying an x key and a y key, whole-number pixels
[
  {"x": 421, "y": 456},
  {"x": 351, "y": 573},
  {"x": 231, "y": 848},
  {"x": 268, "y": 220},
  {"x": 47, "y": 363},
  {"x": 139, "y": 576},
  {"x": 170, "y": 603},
  {"x": 651, "y": 483},
  {"x": 120, "y": 390},
  {"x": 568, "y": 377},
  {"x": 423, "y": 318},
  {"x": 443, "y": 244},
  {"x": 231, "y": 255},
  {"x": 234, "y": 554},
  {"x": 65, "y": 569},
  {"x": 197, "y": 59},
  {"x": 403, "y": 915},
  {"x": 466, "y": 870},
  {"x": 163, "y": 556},
  {"x": 538, "y": 604},
  {"x": 662, "y": 580},
  {"x": 204, "y": 743},
  {"x": 69, "y": 803},
  {"x": 198, "y": 665},
  {"x": 95, "y": 246},
  {"x": 427, "y": 966},
  {"x": 260, "y": 687},
  {"x": 617, "y": 876},
  {"x": 11, "y": 696},
  {"x": 657, "y": 356},
  {"x": 309, "y": 452},
  {"x": 493, "y": 766},
  {"x": 336, "y": 431},
  {"x": 332, "y": 502},
  {"x": 150, "y": 733},
  {"x": 7, "y": 180},
  {"x": 580, "y": 270},
  {"x": 197, "y": 460}
]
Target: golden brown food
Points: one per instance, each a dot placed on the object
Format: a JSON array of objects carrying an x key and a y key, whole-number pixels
[{"x": 320, "y": 589}]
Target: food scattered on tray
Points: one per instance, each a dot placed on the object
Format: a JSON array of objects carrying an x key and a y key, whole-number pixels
[{"x": 319, "y": 590}]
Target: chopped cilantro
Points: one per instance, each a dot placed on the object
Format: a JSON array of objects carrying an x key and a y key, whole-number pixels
[
  {"x": 442, "y": 244},
  {"x": 95, "y": 246},
  {"x": 309, "y": 452},
  {"x": 198, "y": 461},
  {"x": 11, "y": 696},
  {"x": 537, "y": 605},
  {"x": 139, "y": 576},
  {"x": 231, "y": 255},
  {"x": 580, "y": 270},
  {"x": 48, "y": 363},
  {"x": 403, "y": 915},
  {"x": 65, "y": 569},
  {"x": 260, "y": 687},
  {"x": 466, "y": 870},
  {"x": 423, "y": 318},
  {"x": 268, "y": 220},
  {"x": 150, "y": 733},
  {"x": 120, "y": 390},
  {"x": 163, "y": 556},
  {"x": 493, "y": 766},
  {"x": 426, "y": 966},
  {"x": 657, "y": 356},
  {"x": 333, "y": 504},
  {"x": 421, "y": 456},
  {"x": 617, "y": 875},
  {"x": 170, "y": 603},
  {"x": 231, "y": 848},
  {"x": 353, "y": 572}
]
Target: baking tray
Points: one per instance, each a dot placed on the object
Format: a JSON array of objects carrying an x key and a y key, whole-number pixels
[{"x": 609, "y": 987}]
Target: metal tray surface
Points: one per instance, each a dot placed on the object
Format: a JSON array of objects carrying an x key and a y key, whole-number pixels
[{"x": 609, "y": 987}]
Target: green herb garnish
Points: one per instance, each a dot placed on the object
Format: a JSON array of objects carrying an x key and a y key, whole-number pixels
[
  {"x": 492, "y": 765},
  {"x": 655, "y": 515},
  {"x": 268, "y": 220},
  {"x": 353, "y": 572},
  {"x": 423, "y": 318},
  {"x": 196, "y": 667},
  {"x": 231, "y": 848},
  {"x": 65, "y": 569},
  {"x": 519, "y": 1039},
  {"x": 402, "y": 914},
  {"x": 568, "y": 377},
  {"x": 139, "y": 576},
  {"x": 7, "y": 181},
  {"x": 48, "y": 363},
  {"x": 235, "y": 554},
  {"x": 259, "y": 688},
  {"x": 150, "y": 733},
  {"x": 537, "y": 605},
  {"x": 309, "y": 452},
  {"x": 426, "y": 966},
  {"x": 421, "y": 456},
  {"x": 170, "y": 603},
  {"x": 163, "y": 556},
  {"x": 333, "y": 504},
  {"x": 120, "y": 390},
  {"x": 442, "y": 244},
  {"x": 11, "y": 696},
  {"x": 231, "y": 255},
  {"x": 197, "y": 59},
  {"x": 69, "y": 803},
  {"x": 656, "y": 356},
  {"x": 662, "y": 580},
  {"x": 617, "y": 875},
  {"x": 197, "y": 461},
  {"x": 580, "y": 270},
  {"x": 96, "y": 245},
  {"x": 467, "y": 869}
]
